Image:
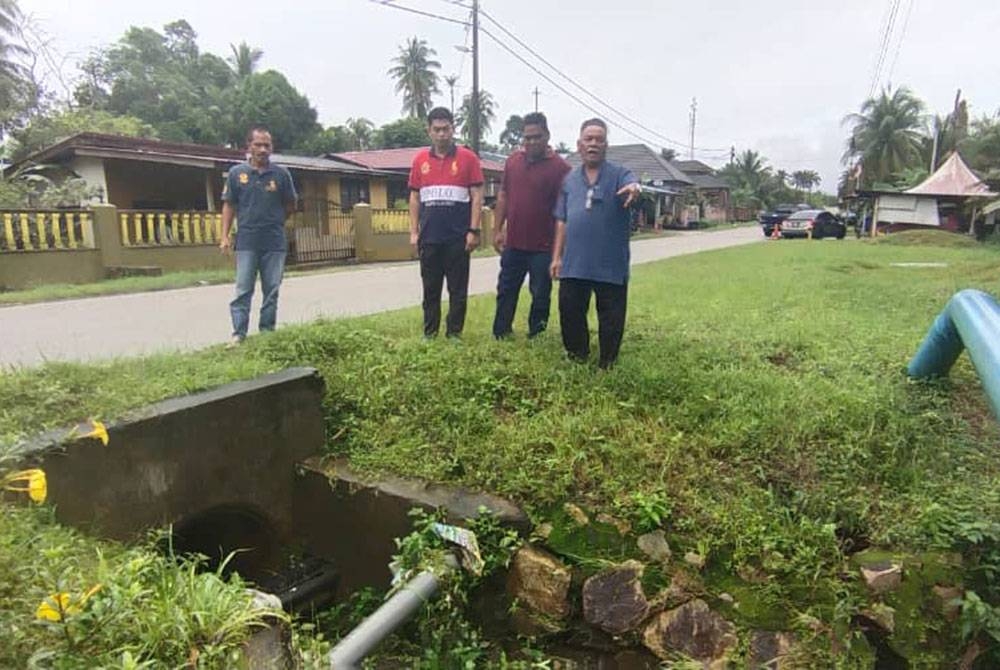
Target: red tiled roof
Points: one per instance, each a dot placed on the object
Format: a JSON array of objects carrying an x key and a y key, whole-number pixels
[{"x": 396, "y": 159}]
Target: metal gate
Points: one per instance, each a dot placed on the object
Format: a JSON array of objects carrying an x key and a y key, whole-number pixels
[{"x": 320, "y": 233}]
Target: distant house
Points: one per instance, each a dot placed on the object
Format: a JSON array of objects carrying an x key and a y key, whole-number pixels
[
  {"x": 941, "y": 200},
  {"x": 150, "y": 175},
  {"x": 712, "y": 192},
  {"x": 398, "y": 162},
  {"x": 657, "y": 175}
]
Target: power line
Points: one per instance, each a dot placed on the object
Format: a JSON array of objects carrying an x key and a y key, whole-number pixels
[
  {"x": 586, "y": 105},
  {"x": 902, "y": 36},
  {"x": 591, "y": 95},
  {"x": 884, "y": 46},
  {"x": 449, "y": 19}
]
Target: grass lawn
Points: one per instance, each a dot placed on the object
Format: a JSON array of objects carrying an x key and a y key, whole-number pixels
[
  {"x": 759, "y": 413},
  {"x": 171, "y": 280}
]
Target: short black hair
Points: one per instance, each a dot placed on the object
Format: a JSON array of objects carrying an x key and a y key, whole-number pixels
[
  {"x": 257, "y": 128},
  {"x": 440, "y": 114},
  {"x": 536, "y": 119},
  {"x": 594, "y": 122}
]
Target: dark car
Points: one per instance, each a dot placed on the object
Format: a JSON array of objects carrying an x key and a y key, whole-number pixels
[
  {"x": 817, "y": 222},
  {"x": 769, "y": 220}
]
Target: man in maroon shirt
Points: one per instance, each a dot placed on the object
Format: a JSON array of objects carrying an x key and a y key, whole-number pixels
[{"x": 525, "y": 227}]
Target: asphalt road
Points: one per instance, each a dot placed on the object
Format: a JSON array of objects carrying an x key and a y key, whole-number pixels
[{"x": 192, "y": 318}]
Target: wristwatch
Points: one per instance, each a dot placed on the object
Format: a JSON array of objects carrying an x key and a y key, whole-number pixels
[{"x": 475, "y": 231}]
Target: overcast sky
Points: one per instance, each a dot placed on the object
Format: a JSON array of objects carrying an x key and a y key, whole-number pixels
[{"x": 777, "y": 76}]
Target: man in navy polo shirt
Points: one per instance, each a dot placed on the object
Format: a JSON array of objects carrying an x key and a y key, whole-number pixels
[
  {"x": 446, "y": 202},
  {"x": 261, "y": 196},
  {"x": 591, "y": 253},
  {"x": 532, "y": 177}
]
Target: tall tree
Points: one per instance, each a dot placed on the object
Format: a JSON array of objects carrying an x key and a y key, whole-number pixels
[
  {"x": 512, "y": 134},
  {"x": 416, "y": 77},
  {"x": 405, "y": 132},
  {"x": 361, "y": 131},
  {"x": 451, "y": 80},
  {"x": 10, "y": 15},
  {"x": 46, "y": 130},
  {"x": 245, "y": 59},
  {"x": 886, "y": 134},
  {"x": 17, "y": 94},
  {"x": 163, "y": 79},
  {"x": 487, "y": 115},
  {"x": 805, "y": 179},
  {"x": 268, "y": 98}
]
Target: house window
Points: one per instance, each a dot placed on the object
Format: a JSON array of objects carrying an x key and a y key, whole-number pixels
[
  {"x": 353, "y": 191},
  {"x": 399, "y": 195}
]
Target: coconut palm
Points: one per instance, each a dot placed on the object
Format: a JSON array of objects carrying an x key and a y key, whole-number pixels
[
  {"x": 805, "y": 179},
  {"x": 886, "y": 134},
  {"x": 361, "y": 130},
  {"x": 245, "y": 59},
  {"x": 487, "y": 115},
  {"x": 415, "y": 76},
  {"x": 9, "y": 17},
  {"x": 451, "y": 80}
]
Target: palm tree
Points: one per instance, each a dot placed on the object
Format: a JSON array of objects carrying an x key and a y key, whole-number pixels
[
  {"x": 487, "y": 114},
  {"x": 10, "y": 69},
  {"x": 415, "y": 76},
  {"x": 361, "y": 130},
  {"x": 245, "y": 59},
  {"x": 886, "y": 134},
  {"x": 751, "y": 170},
  {"x": 805, "y": 179},
  {"x": 451, "y": 80}
]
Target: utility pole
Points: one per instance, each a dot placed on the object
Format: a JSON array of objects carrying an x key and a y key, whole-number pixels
[
  {"x": 535, "y": 93},
  {"x": 694, "y": 113},
  {"x": 732, "y": 154},
  {"x": 474, "y": 135}
]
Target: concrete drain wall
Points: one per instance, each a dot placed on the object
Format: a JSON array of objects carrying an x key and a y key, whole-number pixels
[{"x": 241, "y": 466}]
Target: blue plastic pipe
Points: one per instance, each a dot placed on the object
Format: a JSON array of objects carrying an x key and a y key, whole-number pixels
[{"x": 970, "y": 320}]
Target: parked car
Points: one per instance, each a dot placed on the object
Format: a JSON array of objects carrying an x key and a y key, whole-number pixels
[
  {"x": 769, "y": 220},
  {"x": 819, "y": 222}
]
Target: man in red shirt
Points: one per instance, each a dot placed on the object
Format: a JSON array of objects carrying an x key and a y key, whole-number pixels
[
  {"x": 525, "y": 227},
  {"x": 446, "y": 202}
]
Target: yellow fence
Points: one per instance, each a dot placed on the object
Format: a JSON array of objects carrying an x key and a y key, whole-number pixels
[
  {"x": 152, "y": 229},
  {"x": 385, "y": 221},
  {"x": 44, "y": 230}
]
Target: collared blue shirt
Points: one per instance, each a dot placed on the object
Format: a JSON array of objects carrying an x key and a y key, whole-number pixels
[
  {"x": 597, "y": 237},
  {"x": 259, "y": 197}
]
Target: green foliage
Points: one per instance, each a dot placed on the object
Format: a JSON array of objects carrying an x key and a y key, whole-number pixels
[
  {"x": 31, "y": 187},
  {"x": 763, "y": 443},
  {"x": 187, "y": 95},
  {"x": 408, "y": 132},
  {"x": 146, "y": 609},
  {"x": 45, "y": 130},
  {"x": 416, "y": 77},
  {"x": 268, "y": 98},
  {"x": 886, "y": 134},
  {"x": 487, "y": 115},
  {"x": 510, "y": 136}
]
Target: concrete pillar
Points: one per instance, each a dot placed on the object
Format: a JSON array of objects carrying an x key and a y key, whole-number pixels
[
  {"x": 107, "y": 234},
  {"x": 364, "y": 243}
]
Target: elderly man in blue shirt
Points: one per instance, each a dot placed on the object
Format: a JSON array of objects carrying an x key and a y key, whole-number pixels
[{"x": 591, "y": 249}]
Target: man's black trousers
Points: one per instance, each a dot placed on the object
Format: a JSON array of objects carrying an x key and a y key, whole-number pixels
[
  {"x": 574, "y": 301},
  {"x": 439, "y": 262}
]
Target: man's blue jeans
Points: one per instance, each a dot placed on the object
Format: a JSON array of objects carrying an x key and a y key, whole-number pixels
[
  {"x": 271, "y": 266},
  {"x": 514, "y": 264}
]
